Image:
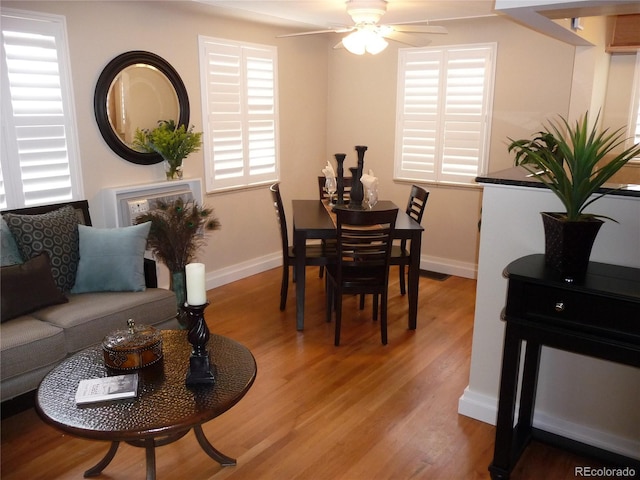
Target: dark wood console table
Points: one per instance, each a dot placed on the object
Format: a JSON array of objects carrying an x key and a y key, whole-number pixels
[{"x": 598, "y": 317}]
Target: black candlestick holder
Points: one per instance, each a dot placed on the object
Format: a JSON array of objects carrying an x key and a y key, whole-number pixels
[
  {"x": 200, "y": 371},
  {"x": 340, "y": 178}
]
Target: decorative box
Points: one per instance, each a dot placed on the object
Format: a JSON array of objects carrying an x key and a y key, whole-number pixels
[{"x": 135, "y": 347}]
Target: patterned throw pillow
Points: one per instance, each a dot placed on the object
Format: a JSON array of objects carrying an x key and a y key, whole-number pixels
[{"x": 54, "y": 232}]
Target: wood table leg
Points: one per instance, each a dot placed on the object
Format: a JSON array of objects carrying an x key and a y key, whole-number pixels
[
  {"x": 300, "y": 247},
  {"x": 502, "y": 463},
  {"x": 102, "y": 464},
  {"x": 414, "y": 279}
]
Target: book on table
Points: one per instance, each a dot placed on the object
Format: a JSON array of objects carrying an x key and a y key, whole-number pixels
[{"x": 105, "y": 389}]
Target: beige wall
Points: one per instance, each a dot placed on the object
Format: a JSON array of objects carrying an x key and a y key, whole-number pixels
[
  {"x": 99, "y": 31},
  {"x": 330, "y": 101},
  {"x": 362, "y": 93}
]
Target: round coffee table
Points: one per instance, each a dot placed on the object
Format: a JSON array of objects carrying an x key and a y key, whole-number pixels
[{"x": 165, "y": 408}]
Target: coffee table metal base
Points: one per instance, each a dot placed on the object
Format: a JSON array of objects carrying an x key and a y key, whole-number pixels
[{"x": 150, "y": 444}]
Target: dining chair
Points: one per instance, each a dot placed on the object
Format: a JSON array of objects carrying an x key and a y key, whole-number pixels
[
  {"x": 400, "y": 252},
  {"x": 316, "y": 254},
  {"x": 364, "y": 240},
  {"x": 347, "y": 182}
]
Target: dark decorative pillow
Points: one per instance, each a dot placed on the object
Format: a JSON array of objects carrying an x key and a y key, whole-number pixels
[
  {"x": 54, "y": 232},
  {"x": 27, "y": 287}
]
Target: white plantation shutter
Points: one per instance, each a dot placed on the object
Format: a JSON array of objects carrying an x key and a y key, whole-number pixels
[
  {"x": 240, "y": 114},
  {"x": 443, "y": 112},
  {"x": 39, "y": 154}
]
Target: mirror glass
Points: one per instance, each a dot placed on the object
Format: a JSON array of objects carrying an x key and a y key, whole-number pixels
[
  {"x": 136, "y": 90},
  {"x": 138, "y": 97}
]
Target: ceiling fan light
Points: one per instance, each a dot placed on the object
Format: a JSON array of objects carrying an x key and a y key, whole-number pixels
[
  {"x": 376, "y": 44},
  {"x": 355, "y": 42}
]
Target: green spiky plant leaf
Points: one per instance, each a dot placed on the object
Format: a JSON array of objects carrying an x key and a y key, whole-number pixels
[{"x": 570, "y": 160}]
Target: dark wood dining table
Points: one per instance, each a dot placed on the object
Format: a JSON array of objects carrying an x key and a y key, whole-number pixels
[{"x": 311, "y": 220}]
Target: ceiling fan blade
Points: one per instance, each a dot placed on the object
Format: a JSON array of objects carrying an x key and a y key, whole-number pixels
[
  {"x": 315, "y": 32},
  {"x": 407, "y": 39},
  {"x": 338, "y": 45},
  {"x": 399, "y": 27}
]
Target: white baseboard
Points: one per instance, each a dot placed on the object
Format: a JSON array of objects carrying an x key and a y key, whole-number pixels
[
  {"x": 242, "y": 270},
  {"x": 479, "y": 406},
  {"x": 257, "y": 265},
  {"x": 449, "y": 266},
  {"x": 598, "y": 438},
  {"x": 484, "y": 408}
]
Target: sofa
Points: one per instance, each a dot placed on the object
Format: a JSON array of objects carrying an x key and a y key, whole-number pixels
[{"x": 65, "y": 285}]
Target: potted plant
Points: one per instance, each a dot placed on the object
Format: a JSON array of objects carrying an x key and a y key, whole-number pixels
[
  {"x": 574, "y": 161},
  {"x": 173, "y": 143},
  {"x": 176, "y": 234}
]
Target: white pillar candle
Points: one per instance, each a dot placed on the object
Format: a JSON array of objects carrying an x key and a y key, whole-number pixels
[{"x": 196, "y": 291}]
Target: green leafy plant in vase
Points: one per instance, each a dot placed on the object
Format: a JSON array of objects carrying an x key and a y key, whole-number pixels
[
  {"x": 574, "y": 161},
  {"x": 173, "y": 143},
  {"x": 177, "y": 232}
]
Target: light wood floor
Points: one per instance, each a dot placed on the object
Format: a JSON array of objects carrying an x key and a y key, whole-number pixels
[{"x": 361, "y": 411}]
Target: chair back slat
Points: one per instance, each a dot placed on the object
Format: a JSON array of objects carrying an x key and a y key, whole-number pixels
[
  {"x": 417, "y": 203},
  {"x": 282, "y": 220},
  {"x": 364, "y": 239}
]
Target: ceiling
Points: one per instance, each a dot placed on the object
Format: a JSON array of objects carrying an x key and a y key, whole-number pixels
[
  {"x": 308, "y": 15},
  {"x": 321, "y": 14}
]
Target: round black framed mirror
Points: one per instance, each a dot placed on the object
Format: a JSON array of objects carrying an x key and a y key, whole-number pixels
[{"x": 135, "y": 90}]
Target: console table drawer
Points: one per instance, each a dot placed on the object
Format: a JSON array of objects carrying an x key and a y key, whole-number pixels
[{"x": 579, "y": 310}]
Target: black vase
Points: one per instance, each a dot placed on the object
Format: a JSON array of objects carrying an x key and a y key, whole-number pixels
[
  {"x": 568, "y": 244},
  {"x": 357, "y": 190},
  {"x": 340, "y": 177}
]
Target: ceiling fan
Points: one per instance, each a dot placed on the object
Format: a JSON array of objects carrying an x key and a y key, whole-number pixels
[{"x": 367, "y": 35}]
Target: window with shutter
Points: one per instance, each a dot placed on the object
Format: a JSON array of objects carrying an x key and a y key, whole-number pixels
[
  {"x": 443, "y": 119},
  {"x": 240, "y": 113},
  {"x": 39, "y": 155}
]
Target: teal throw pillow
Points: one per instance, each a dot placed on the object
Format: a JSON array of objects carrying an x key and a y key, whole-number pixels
[
  {"x": 9, "y": 252},
  {"x": 111, "y": 259}
]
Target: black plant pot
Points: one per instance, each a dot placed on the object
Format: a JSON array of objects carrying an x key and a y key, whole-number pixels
[{"x": 568, "y": 244}]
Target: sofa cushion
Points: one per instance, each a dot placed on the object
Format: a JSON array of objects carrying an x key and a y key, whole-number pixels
[
  {"x": 88, "y": 317},
  {"x": 27, "y": 344},
  {"x": 54, "y": 232},
  {"x": 26, "y": 287},
  {"x": 111, "y": 259},
  {"x": 9, "y": 252}
]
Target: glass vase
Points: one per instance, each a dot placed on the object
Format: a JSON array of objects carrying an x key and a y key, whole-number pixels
[
  {"x": 173, "y": 173},
  {"x": 178, "y": 285}
]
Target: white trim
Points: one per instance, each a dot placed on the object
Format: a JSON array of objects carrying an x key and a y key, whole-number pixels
[
  {"x": 443, "y": 112},
  {"x": 52, "y": 26},
  {"x": 485, "y": 408},
  {"x": 449, "y": 266},
  {"x": 239, "y": 113}
]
